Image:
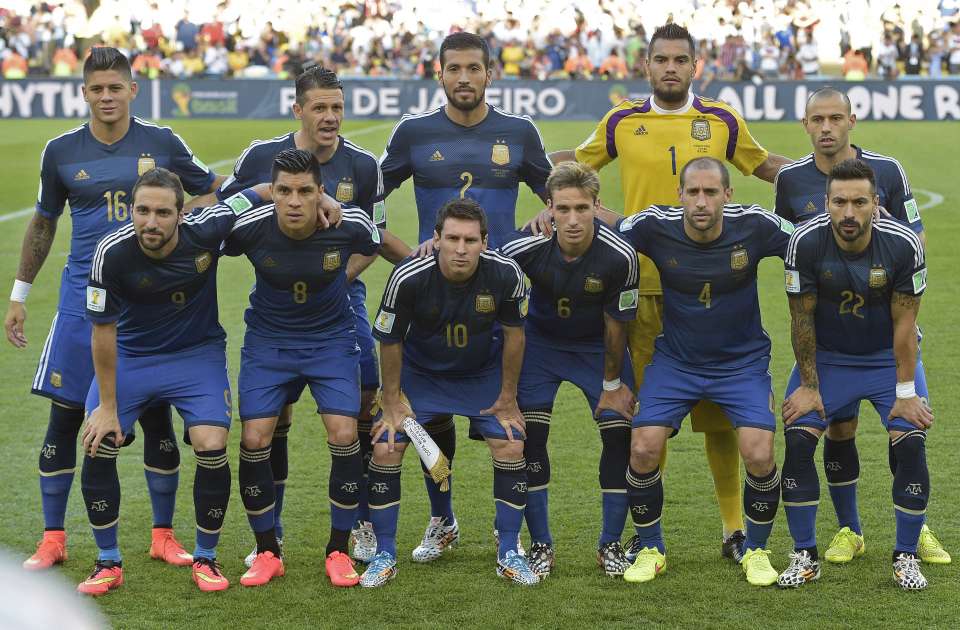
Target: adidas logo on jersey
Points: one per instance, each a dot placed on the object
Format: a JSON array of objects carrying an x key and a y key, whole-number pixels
[
  {"x": 810, "y": 207},
  {"x": 269, "y": 262},
  {"x": 81, "y": 175},
  {"x": 640, "y": 131},
  {"x": 673, "y": 262},
  {"x": 437, "y": 156}
]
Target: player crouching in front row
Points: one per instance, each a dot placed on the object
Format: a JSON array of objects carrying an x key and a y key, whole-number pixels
[{"x": 451, "y": 337}]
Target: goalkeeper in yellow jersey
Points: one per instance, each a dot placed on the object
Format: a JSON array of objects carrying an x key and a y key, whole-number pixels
[{"x": 653, "y": 138}]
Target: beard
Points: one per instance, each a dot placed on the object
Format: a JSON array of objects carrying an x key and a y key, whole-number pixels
[
  {"x": 849, "y": 238},
  {"x": 151, "y": 247},
  {"x": 671, "y": 93},
  {"x": 467, "y": 106}
]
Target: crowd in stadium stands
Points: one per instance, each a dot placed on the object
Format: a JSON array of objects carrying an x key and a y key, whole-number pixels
[{"x": 584, "y": 39}]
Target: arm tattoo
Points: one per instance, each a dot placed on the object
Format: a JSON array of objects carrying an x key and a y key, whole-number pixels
[
  {"x": 803, "y": 334},
  {"x": 905, "y": 301},
  {"x": 36, "y": 245}
]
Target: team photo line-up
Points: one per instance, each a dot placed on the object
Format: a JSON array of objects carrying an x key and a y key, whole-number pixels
[{"x": 653, "y": 316}]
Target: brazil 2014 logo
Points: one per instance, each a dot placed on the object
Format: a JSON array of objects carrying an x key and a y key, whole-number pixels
[{"x": 181, "y": 95}]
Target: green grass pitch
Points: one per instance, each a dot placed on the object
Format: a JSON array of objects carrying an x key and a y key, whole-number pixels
[{"x": 698, "y": 590}]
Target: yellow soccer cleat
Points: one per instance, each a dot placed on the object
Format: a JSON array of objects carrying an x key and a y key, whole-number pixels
[
  {"x": 845, "y": 546},
  {"x": 930, "y": 550},
  {"x": 649, "y": 564},
  {"x": 756, "y": 564}
]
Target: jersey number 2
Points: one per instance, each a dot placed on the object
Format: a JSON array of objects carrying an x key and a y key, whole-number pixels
[{"x": 467, "y": 178}]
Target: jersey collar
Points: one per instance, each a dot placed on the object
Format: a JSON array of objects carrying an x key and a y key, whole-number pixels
[{"x": 682, "y": 110}]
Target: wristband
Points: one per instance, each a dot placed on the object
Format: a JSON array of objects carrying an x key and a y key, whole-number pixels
[
  {"x": 611, "y": 386},
  {"x": 906, "y": 390},
  {"x": 20, "y": 291}
]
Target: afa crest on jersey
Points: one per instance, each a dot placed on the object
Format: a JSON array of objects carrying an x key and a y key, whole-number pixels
[
  {"x": 700, "y": 129},
  {"x": 878, "y": 278},
  {"x": 203, "y": 261},
  {"x": 485, "y": 303},
  {"x": 144, "y": 164},
  {"x": 739, "y": 259},
  {"x": 500, "y": 154},
  {"x": 593, "y": 284},
  {"x": 331, "y": 261},
  {"x": 344, "y": 191}
]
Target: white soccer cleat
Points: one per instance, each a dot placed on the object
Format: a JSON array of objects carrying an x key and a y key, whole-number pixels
[
  {"x": 364, "y": 542},
  {"x": 438, "y": 538}
]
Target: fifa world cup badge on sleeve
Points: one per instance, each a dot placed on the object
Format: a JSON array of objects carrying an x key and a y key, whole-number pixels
[
  {"x": 96, "y": 299},
  {"x": 920, "y": 280},
  {"x": 430, "y": 454},
  {"x": 384, "y": 322},
  {"x": 912, "y": 210},
  {"x": 628, "y": 299},
  {"x": 792, "y": 278},
  {"x": 239, "y": 203},
  {"x": 379, "y": 212}
]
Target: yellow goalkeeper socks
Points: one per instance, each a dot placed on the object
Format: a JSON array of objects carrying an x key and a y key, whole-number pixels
[{"x": 724, "y": 458}]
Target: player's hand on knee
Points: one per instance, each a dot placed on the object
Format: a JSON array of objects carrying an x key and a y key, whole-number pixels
[
  {"x": 508, "y": 415},
  {"x": 426, "y": 248},
  {"x": 100, "y": 424},
  {"x": 802, "y": 401},
  {"x": 13, "y": 324},
  {"x": 914, "y": 410},
  {"x": 620, "y": 401},
  {"x": 391, "y": 422},
  {"x": 540, "y": 224}
]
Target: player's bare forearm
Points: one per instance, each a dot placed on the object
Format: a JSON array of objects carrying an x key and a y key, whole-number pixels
[
  {"x": 608, "y": 216},
  {"x": 217, "y": 182},
  {"x": 37, "y": 242},
  {"x": 768, "y": 170},
  {"x": 391, "y": 362},
  {"x": 567, "y": 155},
  {"x": 357, "y": 264},
  {"x": 392, "y": 248},
  {"x": 614, "y": 345},
  {"x": 513, "y": 343},
  {"x": 803, "y": 336},
  {"x": 903, "y": 311},
  {"x": 200, "y": 201},
  {"x": 104, "y": 347}
]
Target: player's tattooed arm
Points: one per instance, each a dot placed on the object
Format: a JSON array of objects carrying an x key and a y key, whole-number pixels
[
  {"x": 803, "y": 335},
  {"x": 909, "y": 406},
  {"x": 36, "y": 245},
  {"x": 618, "y": 399}
]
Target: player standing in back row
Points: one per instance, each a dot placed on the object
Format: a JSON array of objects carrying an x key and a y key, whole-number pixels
[
  {"x": 94, "y": 167},
  {"x": 464, "y": 149}
]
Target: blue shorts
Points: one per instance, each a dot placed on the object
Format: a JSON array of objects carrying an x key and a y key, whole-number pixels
[
  {"x": 544, "y": 368},
  {"x": 272, "y": 377},
  {"x": 842, "y": 387},
  {"x": 194, "y": 381},
  {"x": 66, "y": 364},
  {"x": 668, "y": 393},
  {"x": 369, "y": 366},
  {"x": 434, "y": 396}
]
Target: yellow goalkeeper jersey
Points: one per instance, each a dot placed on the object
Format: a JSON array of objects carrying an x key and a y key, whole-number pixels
[{"x": 653, "y": 145}]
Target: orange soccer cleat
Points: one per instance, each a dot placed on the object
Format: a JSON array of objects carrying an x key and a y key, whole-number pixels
[
  {"x": 206, "y": 574},
  {"x": 51, "y": 550},
  {"x": 265, "y": 567},
  {"x": 340, "y": 569},
  {"x": 165, "y": 546},
  {"x": 107, "y": 575}
]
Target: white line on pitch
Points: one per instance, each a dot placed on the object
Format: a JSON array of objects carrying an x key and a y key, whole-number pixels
[{"x": 22, "y": 212}]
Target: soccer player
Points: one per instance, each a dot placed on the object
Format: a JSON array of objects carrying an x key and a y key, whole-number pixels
[
  {"x": 300, "y": 331},
  {"x": 854, "y": 287},
  {"x": 800, "y": 197},
  {"x": 94, "y": 167},
  {"x": 653, "y": 138},
  {"x": 465, "y": 149},
  {"x": 353, "y": 176},
  {"x": 713, "y": 347},
  {"x": 451, "y": 336},
  {"x": 584, "y": 290}
]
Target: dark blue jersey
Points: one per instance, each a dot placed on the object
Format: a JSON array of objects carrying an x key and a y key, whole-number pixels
[
  {"x": 711, "y": 312},
  {"x": 446, "y": 328},
  {"x": 853, "y": 322},
  {"x": 568, "y": 299},
  {"x": 300, "y": 295},
  {"x": 802, "y": 189},
  {"x": 351, "y": 175},
  {"x": 97, "y": 179},
  {"x": 485, "y": 162},
  {"x": 165, "y": 305}
]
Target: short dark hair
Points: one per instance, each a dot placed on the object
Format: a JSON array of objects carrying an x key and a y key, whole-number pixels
[
  {"x": 160, "y": 178},
  {"x": 672, "y": 30},
  {"x": 106, "y": 58},
  {"x": 828, "y": 91},
  {"x": 296, "y": 161},
  {"x": 315, "y": 77},
  {"x": 466, "y": 209},
  {"x": 465, "y": 41},
  {"x": 705, "y": 164},
  {"x": 850, "y": 170}
]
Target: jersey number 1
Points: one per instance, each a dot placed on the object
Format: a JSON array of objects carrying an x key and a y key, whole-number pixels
[{"x": 673, "y": 159}]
